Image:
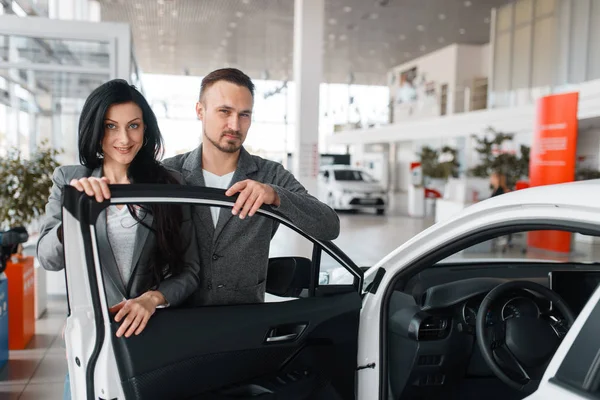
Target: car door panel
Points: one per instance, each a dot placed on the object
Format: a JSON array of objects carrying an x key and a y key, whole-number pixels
[
  {"x": 303, "y": 348},
  {"x": 204, "y": 349}
]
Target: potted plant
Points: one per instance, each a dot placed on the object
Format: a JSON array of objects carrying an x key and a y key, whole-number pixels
[
  {"x": 438, "y": 165},
  {"x": 23, "y": 197},
  {"x": 26, "y": 185},
  {"x": 514, "y": 167},
  {"x": 584, "y": 173}
]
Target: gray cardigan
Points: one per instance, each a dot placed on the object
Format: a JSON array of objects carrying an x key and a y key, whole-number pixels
[
  {"x": 235, "y": 254},
  {"x": 176, "y": 289}
]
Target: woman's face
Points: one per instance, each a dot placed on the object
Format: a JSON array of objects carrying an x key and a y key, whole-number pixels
[{"x": 123, "y": 133}]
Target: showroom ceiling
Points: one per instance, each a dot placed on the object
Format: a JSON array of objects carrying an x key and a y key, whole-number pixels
[{"x": 363, "y": 39}]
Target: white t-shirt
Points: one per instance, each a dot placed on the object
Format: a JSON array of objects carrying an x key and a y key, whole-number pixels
[
  {"x": 121, "y": 228},
  {"x": 216, "y": 181}
]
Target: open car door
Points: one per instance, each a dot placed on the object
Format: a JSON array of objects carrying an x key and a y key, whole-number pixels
[{"x": 304, "y": 348}]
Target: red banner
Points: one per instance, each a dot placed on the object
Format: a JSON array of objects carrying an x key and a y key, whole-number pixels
[{"x": 553, "y": 155}]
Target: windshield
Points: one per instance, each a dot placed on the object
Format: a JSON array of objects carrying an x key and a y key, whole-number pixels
[
  {"x": 352, "y": 175},
  {"x": 533, "y": 246}
]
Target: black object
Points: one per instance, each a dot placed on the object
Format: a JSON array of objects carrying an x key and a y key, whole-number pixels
[{"x": 9, "y": 242}]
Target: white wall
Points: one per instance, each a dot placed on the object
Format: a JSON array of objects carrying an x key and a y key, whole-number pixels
[
  {"x": 406, "y": 155},
  {"x": 472, "y": 62},
  {"x": 438, "y": 67}
]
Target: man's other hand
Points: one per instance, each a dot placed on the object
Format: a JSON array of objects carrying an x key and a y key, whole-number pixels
[{"x": 253, "y": 194}]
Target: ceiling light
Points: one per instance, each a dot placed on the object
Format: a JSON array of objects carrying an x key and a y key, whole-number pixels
[
  {"x": 374, "y": 16},
  {"x": 402, "y": 37},
  {"x": 331, "y": 36},
  {"x": 442, "y": 17},
  {"x": 245, "y": 1},
  {"x": 228, "y": 34},
  {"x": 347, "y": 9},
  {"x": 233, "y": 25},
  {"x": 224, "y": 42},
  {"x": 239, "y": 14},
  {"x": 468, "y": 3},
  {"x": 420, "y": 28},
  {"x": 175, "y": 13},
  {"x": 161, "y": 32},
  {"x": 487, "y": 20},
  {"x": 343, "y": 37},
  {"x": 422, "y": 48},
  {"x": 138, "y": 6},
  {"x": 161, "y": 2},
  {"x": 462, "y": 31},
  {"x": 332, "y": 21}
]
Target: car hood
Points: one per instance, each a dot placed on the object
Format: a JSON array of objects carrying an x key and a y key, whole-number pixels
[{"x": 360, "y": 186}]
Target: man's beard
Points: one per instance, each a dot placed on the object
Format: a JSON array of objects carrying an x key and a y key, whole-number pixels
[{"x": 229, "y": 147}]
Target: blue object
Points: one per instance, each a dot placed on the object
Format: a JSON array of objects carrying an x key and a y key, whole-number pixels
[{"x": 3, "y": 320}]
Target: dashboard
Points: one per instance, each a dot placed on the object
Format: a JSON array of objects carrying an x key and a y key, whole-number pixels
[{"x": 432, "y": 323}]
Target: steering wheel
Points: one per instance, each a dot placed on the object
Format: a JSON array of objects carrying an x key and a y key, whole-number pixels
[{"x": 518, "y": 350}]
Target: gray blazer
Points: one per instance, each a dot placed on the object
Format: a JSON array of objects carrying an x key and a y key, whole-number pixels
[
  {"x": 235, "y": 254},
  {"x": 176, "y": 289}
]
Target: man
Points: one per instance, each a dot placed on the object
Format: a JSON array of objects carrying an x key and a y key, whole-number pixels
[{"x": 235, "y": 247}]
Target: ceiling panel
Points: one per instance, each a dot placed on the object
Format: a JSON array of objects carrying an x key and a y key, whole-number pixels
[{"x": 363, "y": 39}]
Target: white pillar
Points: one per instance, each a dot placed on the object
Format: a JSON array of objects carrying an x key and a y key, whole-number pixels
[
  {"x": 94, "y": 10},
  {"x": 308, "y": 70},
  {"x": 69, "y": 10},
  {"x": 393, "y": 167},
  {"x": 13, "y": 135}
]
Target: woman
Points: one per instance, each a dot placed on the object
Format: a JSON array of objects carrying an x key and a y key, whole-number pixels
[
  {"x": 498, "y": 184},
  {"x": 120, "y": 143}
]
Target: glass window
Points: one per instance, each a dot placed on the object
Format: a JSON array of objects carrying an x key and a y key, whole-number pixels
[{"x": 59, "y": 51}]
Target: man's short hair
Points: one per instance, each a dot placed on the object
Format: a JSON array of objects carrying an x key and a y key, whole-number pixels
[{"x": 231, "y": 75}]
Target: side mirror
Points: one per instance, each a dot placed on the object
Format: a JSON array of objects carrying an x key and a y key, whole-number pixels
[
  {"x": 288, "y": 276},
  {"x": 323, "y": 278}
]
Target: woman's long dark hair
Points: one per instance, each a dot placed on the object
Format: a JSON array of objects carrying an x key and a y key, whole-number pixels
[{"x": 145, "y": 168}]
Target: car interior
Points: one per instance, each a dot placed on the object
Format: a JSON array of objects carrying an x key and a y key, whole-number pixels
[
  {"x": 300, "y": 349},
  {"x": 480, "y": 327}
]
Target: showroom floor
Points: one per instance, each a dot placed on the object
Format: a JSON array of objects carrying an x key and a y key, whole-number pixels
[{"x": 39, "y": 371}]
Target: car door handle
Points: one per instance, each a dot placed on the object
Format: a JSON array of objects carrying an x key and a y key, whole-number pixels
[
  {"x": 282, "y": 338},
  {"x": 285, "y": 333}
]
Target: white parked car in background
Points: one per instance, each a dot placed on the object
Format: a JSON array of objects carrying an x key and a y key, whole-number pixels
[{"x": 344, "y": 187}]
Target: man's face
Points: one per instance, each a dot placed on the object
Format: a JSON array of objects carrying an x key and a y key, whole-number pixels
[{"x": 226, "y": 113}]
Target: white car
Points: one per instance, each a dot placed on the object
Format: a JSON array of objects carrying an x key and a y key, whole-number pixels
[
  {"x": 343, "y": 187},
  {"x": 420, "y": 324}
]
